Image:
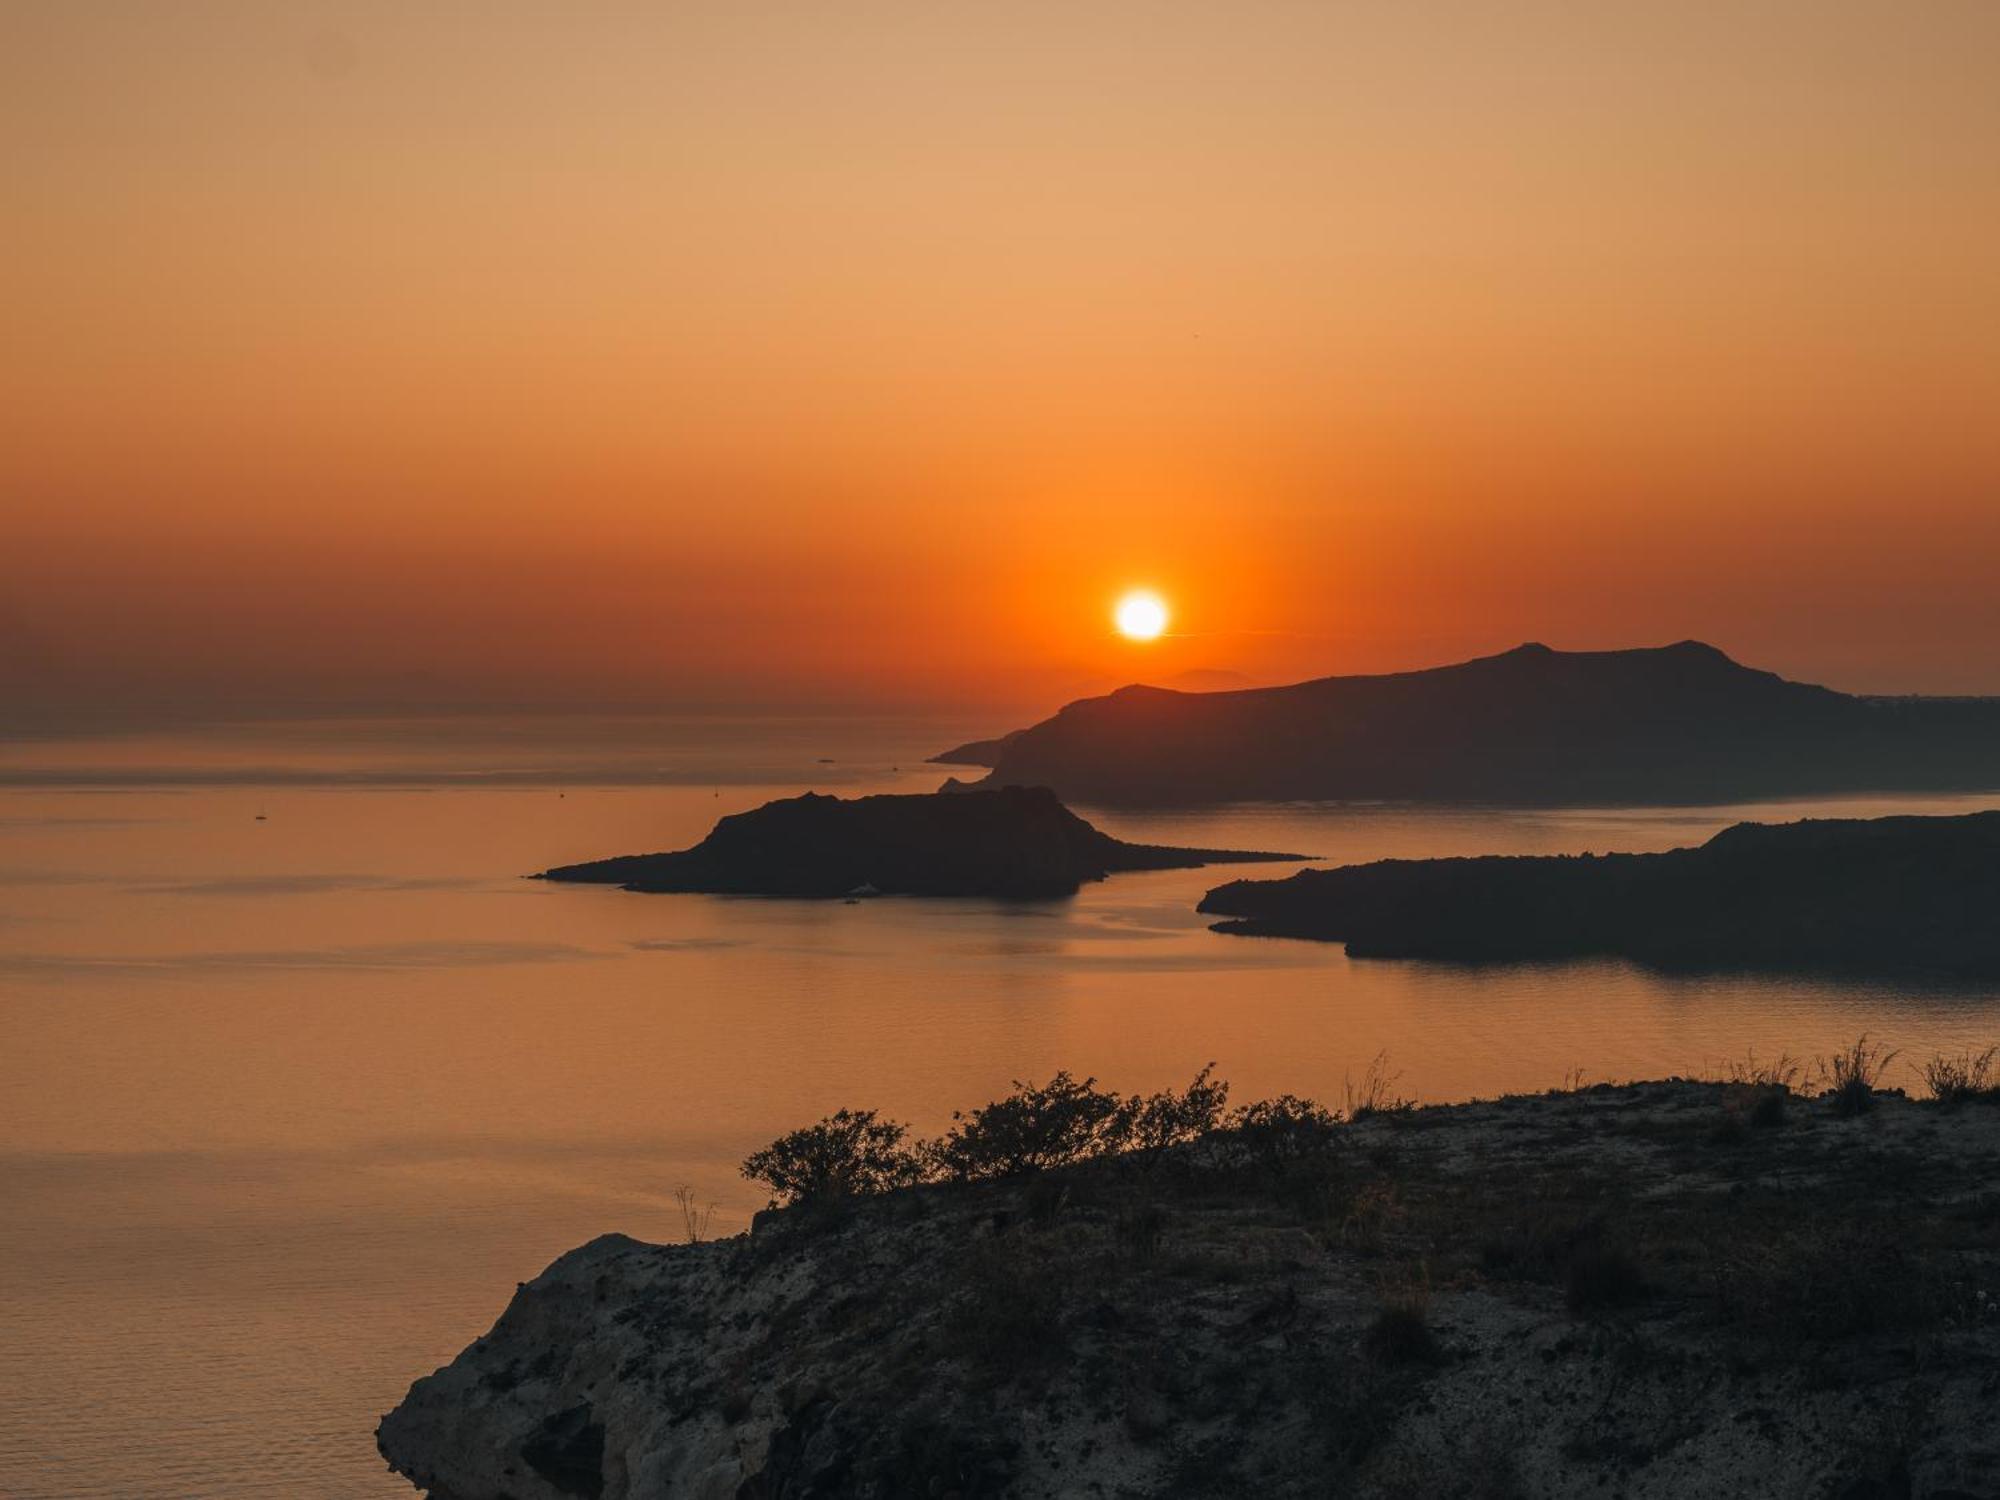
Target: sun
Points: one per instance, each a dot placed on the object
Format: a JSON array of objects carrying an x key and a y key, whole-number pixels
[{"x": 1141, "y": 616}]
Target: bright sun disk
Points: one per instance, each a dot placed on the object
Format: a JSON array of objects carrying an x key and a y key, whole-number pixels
[{"x": 1141, "y": 616}]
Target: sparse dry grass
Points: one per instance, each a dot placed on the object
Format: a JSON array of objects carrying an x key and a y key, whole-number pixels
[
  {"x": 1757, "y": 1095},
  {"x": 695, "y": 1216},
  {"x": 1850, "y": 1077},
  {"x": 1964, "y": 1078},
  {"x": 1376, "y": 1093},
  {"x": 1780, "y": 1072}
]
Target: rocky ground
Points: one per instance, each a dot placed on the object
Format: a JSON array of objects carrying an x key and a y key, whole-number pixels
[{"x": 1658, "y": 1289}]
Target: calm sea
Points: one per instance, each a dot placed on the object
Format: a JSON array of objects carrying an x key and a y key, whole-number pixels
[{"x": 298, "y": 1077}]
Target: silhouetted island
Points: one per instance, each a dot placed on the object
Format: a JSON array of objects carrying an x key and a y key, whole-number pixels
[
  {"x": 1678, "y": 723},
  {"x": 1905, "y": 894},
  {"x": 1014, "y": 841}
]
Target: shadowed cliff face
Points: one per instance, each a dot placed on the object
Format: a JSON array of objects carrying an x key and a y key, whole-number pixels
[
  {"x": 1656, "y": 1291},
  {"x": 1885, "y": 894},
  {"x": 1679, "y": 723},
  {"x": 1014, "y": 841}
]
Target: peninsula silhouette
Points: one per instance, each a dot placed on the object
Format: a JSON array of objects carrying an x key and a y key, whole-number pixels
[{"x": 1902, "y": 894}]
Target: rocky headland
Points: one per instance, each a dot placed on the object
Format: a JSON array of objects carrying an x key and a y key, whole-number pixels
[
  {"x": 1649, "y": 1290},
  {"x": 1891, "y": 895},
  {"x": 1011, "y": 841}
]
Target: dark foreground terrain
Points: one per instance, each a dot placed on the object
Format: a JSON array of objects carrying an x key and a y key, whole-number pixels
[
  {"x": 1905, "y": 895},
  {"x": 1680, "y": 723},
  {"x": 1661, "y": 1289},
  {"x": 1016, "y": 841}
]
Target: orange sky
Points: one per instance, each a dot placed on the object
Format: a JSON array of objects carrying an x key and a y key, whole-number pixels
[{"x": 862, "y": 353}]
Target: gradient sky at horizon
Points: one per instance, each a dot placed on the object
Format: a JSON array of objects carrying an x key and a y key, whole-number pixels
[{"x": 762, "y": 354}]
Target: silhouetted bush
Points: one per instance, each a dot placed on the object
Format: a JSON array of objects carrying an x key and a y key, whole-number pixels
[
  {"x": 1284, "y": 1128},
  {"x": 845, "y": 1155},
  {"x": 1849, "y": 1078},
  {"x": 1964, "y": 1078},
  {"x": 1153, "y": 1122},
  {"x": 1036, "y": 1127},
  {"x": 1758, "y": 1095}
]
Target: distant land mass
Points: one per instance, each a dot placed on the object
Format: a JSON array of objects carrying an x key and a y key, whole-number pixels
[
  {"x": 1531, "y": 726},
  {"x": 987, "y": 752},
  {"x": 977, "y": 752},
  {"x": 1207, "y": 680},
  {"x": 1901, "y": 894},
  {"x": 1015, "y": 841}
]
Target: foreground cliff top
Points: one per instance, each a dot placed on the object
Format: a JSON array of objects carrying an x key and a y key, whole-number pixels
[
  {"x": 1664, "y": 1289},
  {"x": 1015, "y": 841},
  {"x": 1679, "y": 723}
]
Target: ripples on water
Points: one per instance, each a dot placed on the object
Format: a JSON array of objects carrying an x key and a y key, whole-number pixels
[{"x": 292, "y": 1104}]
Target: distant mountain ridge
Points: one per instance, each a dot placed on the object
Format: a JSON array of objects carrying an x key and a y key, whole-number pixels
[{"x": 1679, "y": 723}]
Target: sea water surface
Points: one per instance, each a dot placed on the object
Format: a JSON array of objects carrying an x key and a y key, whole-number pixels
[{"x": 298, "y": 1077}]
